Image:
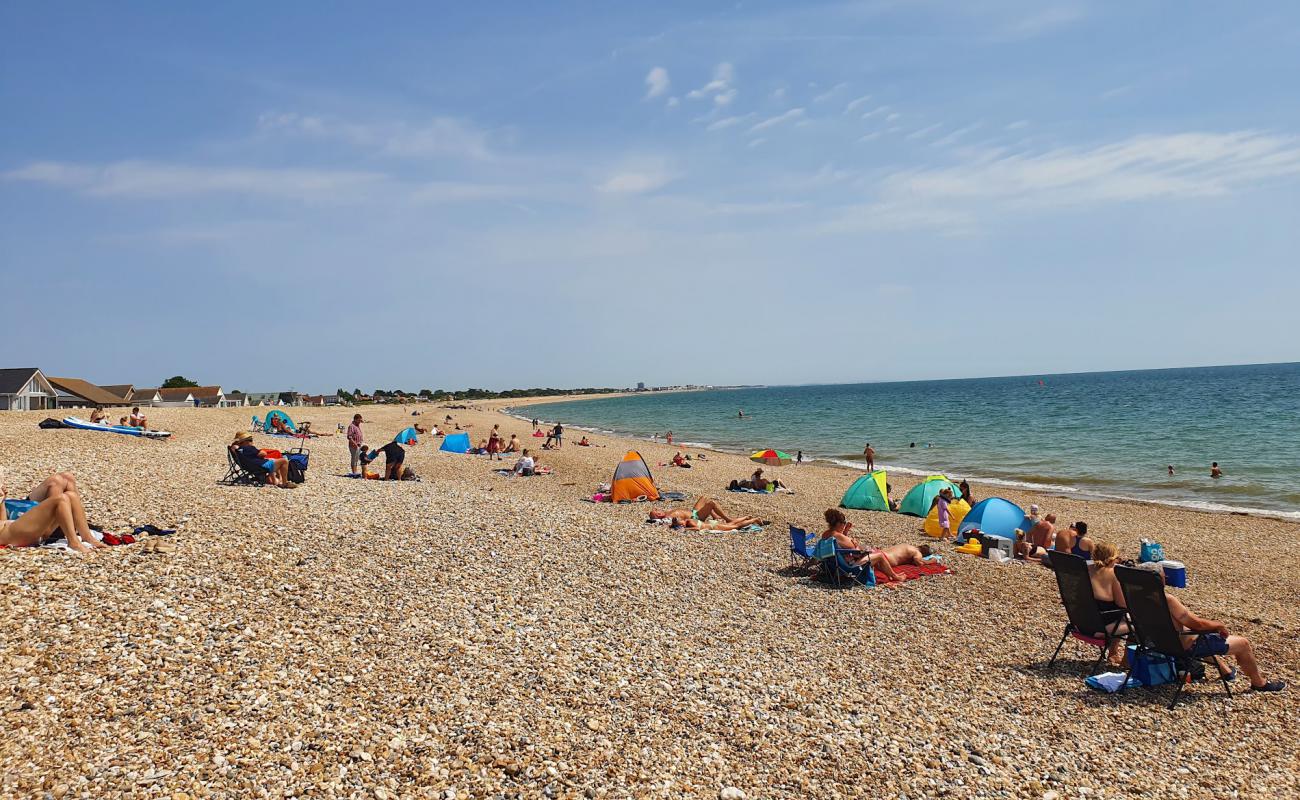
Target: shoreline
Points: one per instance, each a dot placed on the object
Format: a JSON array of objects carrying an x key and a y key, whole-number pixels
[{"x": 1012, "y": 484}]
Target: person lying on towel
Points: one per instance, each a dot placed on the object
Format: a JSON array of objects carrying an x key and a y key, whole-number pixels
[
  {"x": 705, "y": 509},
  {"x": 58, "y": 507}
]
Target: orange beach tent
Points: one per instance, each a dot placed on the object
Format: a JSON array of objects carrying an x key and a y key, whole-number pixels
[{"x": 632, "y": 480}]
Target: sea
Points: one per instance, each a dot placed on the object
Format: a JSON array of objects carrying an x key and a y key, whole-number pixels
[{"x": 1109, "y": 435}]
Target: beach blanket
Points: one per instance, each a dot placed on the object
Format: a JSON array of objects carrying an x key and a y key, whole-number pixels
[
  {"x": 912, "y": 572},
  {"x": 746, "y": 490}
]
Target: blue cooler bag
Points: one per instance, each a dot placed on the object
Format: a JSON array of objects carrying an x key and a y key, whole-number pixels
[{"x": 1150, "y": 669}]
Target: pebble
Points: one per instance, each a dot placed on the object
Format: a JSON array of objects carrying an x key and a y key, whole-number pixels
[{"x": 357, "y": 639}]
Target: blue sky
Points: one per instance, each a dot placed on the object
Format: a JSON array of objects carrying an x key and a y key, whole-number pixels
[{"x": 518, "y": 194}]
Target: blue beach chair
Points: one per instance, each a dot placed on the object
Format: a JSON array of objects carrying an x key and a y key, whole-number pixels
[
  {"x": 803, "y": 547},
  {"x": 837, "y": 566}
]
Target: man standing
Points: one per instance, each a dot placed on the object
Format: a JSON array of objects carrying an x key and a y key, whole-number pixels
[
  {"x": 355, "y": 440},
  {"x": 870, "y": 453}
]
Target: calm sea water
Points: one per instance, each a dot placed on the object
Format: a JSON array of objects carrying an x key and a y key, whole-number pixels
[{"x": 1106, "y": 434}]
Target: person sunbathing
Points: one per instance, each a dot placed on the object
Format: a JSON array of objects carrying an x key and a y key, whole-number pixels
[
  {"x": 712, "y": 525},
  {"x": 1038, "y": 539},
  {"x": 526, "y": 465},
  {"x": 1204, "y": 638},
  {"x": 251, "y": 456},
  {"x": 137, "y": 420},
  {"x": 98, "y": 415},
  {"x": 583, "y": 442},
  {"x": 680, "y": 461},
  {"x": 838, "y": 527},
  {"x": 1075, "y": 540},
  {"x": 1108, "y": 594},
  {"x": 705, "y": 509},
  {"x": 512, "y": 446},
  {"x": 38, "y": 524},
  {"x": 278, "y": 426}
]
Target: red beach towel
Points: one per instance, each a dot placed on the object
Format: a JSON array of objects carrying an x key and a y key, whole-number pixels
[{"x": 911, "y": 571}]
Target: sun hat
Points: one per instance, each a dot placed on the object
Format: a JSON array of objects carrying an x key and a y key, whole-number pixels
[{"x": 242, "y": 435}]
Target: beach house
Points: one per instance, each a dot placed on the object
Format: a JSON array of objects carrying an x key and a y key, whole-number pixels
[
  {"x": 26, "y": 389},
  {"x": 76, "y": 393},
  {"x": 122, "y": 390}
]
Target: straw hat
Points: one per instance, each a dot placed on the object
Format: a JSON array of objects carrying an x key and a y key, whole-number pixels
[{"x": 241, "y": 436}]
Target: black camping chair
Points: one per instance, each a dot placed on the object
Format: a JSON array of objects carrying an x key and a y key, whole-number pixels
[
  {"x": 241, "y": 474},
  {"x": 1154, "y": 631},
  {"x": 1086, "y": 622}
]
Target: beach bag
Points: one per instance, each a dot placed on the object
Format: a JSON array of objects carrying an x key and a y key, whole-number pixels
[
  {"x": 51, "y": 422},
  {"x": 16, "y": 508},
  {"x": 1151, "y": 551},
  {"x": 297, "y": 467},
  {"x": 1150, "y": 669}
]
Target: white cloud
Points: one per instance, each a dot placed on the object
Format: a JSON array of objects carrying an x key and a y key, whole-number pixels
[
  {"x": 656, "y": 82},
  {"x": 672, "y": 102},
  {"x": 875, "y": 112},
  {"x": 1118, "y": 91},
  {"x": 924, "y": 132},
  {"x": 1181, "y": 166},
  {"x": 856, "y": 103},
  {"x": 720, "y": 88},
  {"x": 638, "y": 177},
  {"x": 952, "y": 138},
  {"x": 146, "y": 179},
  {"x": 1017, "y": 125},
  {"x": 727, "y": 122},
  {"x": 438, "y": 137},
  {"x": 756, "y": 142},
  {"x": 792, "y": 114},
  {"x": 893, "y": 117},
  {"x": 831, "y": 92},
  {"x": 870, "y": 137}
]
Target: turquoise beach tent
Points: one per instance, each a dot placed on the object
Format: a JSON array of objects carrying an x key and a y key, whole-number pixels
[
  {"x": 920, "y": 497},
  {"x": 456, "y": 443},
  {"x": 869, "y": 492},
  {"x": 288, "y": 423},
  {"x": 995, "y": 517},
  {"x": 407, "y": 436}
]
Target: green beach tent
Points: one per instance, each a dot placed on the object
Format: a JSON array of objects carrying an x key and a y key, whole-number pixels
[
  {"x": 868, "y": 492},
  {"x": 920, "y": 497}
]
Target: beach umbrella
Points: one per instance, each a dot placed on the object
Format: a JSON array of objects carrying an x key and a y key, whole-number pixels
[{"x": 774, "y": 457}]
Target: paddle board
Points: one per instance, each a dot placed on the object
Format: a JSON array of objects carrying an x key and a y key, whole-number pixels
[{"x": 77, "y": 422}]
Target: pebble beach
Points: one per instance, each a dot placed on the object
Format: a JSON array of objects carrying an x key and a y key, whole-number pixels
[{"x": 472, "y": 635}]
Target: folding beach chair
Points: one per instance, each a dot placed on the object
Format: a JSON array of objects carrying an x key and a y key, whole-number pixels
[
  {"x": 803, "y": 546},
  {"x": 837, "y": 567},
  {"x": 240, "y": 475},
  {"x": 1085, "y": 619},
  {"x": 1154, "y": 632}
]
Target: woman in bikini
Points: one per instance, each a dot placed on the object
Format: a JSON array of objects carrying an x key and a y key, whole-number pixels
[
  {"x": 1109, "y": 596},
  {"x": 705, "y": 509},
  {"x": 53, "y": 512}
]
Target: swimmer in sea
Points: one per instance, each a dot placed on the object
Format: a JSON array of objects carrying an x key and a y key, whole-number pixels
[
  {"x": 740, "y": 414},
  {"x": 1171, "y": 470},
  {"x": 1215, "y": 472},
  {"x": 870, "y": 453}
]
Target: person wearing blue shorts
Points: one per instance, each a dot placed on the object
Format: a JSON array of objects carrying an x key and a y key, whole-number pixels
[{"x": 1208, "y": 637}]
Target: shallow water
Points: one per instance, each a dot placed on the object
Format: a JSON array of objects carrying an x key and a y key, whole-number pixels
[{"x": 1107, "y": 434}]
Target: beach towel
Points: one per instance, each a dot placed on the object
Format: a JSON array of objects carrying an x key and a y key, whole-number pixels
[
  {"x": 747, "y": 490},
  {"x": 912, "y": 572}
]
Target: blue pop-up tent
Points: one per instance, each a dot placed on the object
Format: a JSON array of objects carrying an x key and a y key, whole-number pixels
[
  {"x": 994, "y": 517},
  {"x": 288, "y": 423},
  {"x": 456, "y": 443},
  {"x": 407, "y": 436}
]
